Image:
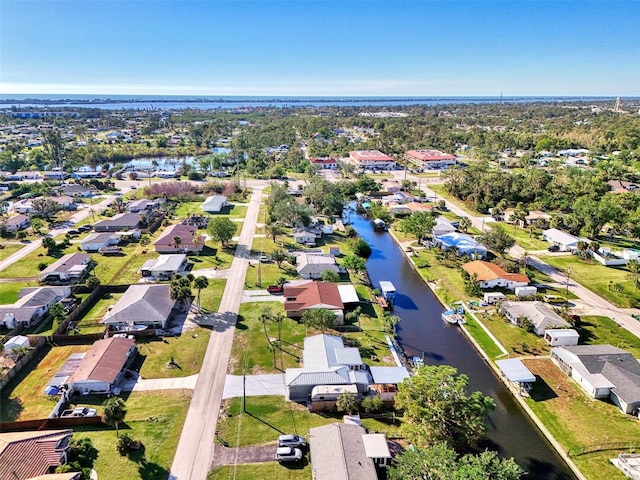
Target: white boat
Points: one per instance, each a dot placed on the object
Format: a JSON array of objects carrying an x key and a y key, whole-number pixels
[
  {"x": 418, "y": 362},
  {"x": 452, "y": 317}
]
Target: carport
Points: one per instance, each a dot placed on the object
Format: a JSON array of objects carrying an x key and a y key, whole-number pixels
[{"x": 516, "y": 372}]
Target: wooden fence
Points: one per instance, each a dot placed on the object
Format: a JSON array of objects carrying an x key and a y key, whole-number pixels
[
  {"x": 37, "y": 344},
  {"x": 49, "y": 423}
]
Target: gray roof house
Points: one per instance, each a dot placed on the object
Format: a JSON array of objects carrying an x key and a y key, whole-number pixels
[
  {"x": 32, "y": 305},
  {"x": 343, "y": 451},
  {"x": 96, "y": 241},
  {"x": 326, "y": 362},
  {"x": 17, "y": 223},
  {"x": 603, "y": 372},
  {"x": 120, "y": 222},
  {"x": 73, "y": 190},
  {"x": 142, "y": 304},
  {"x": 164, "y": 267},
  {"x": 68, "y": 269},
  {"x": 312, "y": 265},
  {"x": 214, "y": 203},
  {"x": 538, "y": 313}
]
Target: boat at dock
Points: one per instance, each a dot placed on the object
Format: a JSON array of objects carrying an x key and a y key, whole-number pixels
[
  {"x": 452, "y": 316},
  {"x": 388, "y": 294},
  {"x": 379, "y": 224}
]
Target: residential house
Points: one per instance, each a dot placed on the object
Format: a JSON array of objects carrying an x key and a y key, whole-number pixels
[
  {"x": 19, "y": 341},
  {"x": 32, "y": 305},
  {"x": 442, "y": 227},
  {"x": 121, "y": 222},
  {"x": 565, "y": 241},
  {"x": 306, "y": 236},
  {"x": 214, "y": 204},
  {"x": 326, "y": 361},
  {"x": 462, "y": 243},
  {"x": 28, "y": 175},
  {"x": 142, "y": 304},
  {"x": 490, "y": 275},
  {"x": 17, "y": 223},
  {"x": 300, "y": 298},
  {"x": 603, "y": 372},
  {"x": 66, "y": 202},
  {"x": 142, "y": 206},
  {"x": 28, "y": 455},
  {"x": 311, "y": 266},
  {"x": 561, "y": 336},
  {"x": 385, "y": 380},
  {"x": 53, "y": 174},
  {"x": 164, "y": 267},
  {"x": 391, "y": 186},
  {"x": 372, "y": 159},
  {"x": 73, "y": 190},
  {"x": 430, "y": 159},
  {"x": 179, "y": 238},
  {"x": 103, "y": 366},
  {"x": 345, "y": 451},
  {"x": 69, "y": 269},
  {"x": 325, "y": 163},
  {"x": 620, "y": 186},
  {"x": 538, "y": 313},
  {"x": 96, "y": 241}
]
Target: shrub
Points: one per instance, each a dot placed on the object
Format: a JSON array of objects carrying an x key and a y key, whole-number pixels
[
  {"x": 372, "y": 404},
  {"x": 42, "y": 266},
  {"x": 124, "y": 444}
]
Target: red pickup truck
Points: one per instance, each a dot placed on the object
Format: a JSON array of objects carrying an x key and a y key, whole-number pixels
[{"x": 273, "y": 289}]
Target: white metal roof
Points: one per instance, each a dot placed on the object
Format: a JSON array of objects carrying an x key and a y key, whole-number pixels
[
  {"x": 515, "y": 371},
  {"x": 388, "y": 375},
  {"x": 375, "y": 445},
  {"x": 348, "y": 294}
]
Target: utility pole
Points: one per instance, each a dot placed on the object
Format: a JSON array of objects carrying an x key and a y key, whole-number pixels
[{"x": 566, "y": 294}]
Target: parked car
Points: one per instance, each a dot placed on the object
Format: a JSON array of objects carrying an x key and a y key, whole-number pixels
[
  {"x": 555, "y": 299},
  {"x": 264, "y": 259},
  {"x": 291, "y": 441},
  {"x": 273, "y": 289},
  {"x": 288, "y": 454},
  {"x": 554, "y": 248},
  {"x": 80, "y": 412}
]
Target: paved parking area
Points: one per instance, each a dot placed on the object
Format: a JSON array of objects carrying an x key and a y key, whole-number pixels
[{"x": 256, "y": 385}]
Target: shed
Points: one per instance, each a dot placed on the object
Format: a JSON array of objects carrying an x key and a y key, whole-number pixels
[
  {"x": 377, "y": 448},
  {"x": 16, "y": 342},
  {"x": 493, "y": 297},
  {"x": 526, "y": 291},
  {"x": 348, "y": 294},
  {"x": 515, "y": 371},
  {"x": 561, "y": 336}
]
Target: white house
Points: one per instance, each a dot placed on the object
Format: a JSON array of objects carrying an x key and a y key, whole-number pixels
[
  {"x": 490, "y": 275},
  {"x": 603, "y": 372},
  {"x": 538, "y": 313},
  {"x": 305, "y": 237},
  {"x": 19, "y": 341},
  {"x": 312, "y": 265},
  {"x": 96, "y": 241},
  {"x": 564, "y": 240},
  {"x": 70, "y": 268},
  {"x": 442, "y": 227},
  {"x": 164, "y": 267},
  {"x": 214, "y": 204},
  {"x": 464, "y": 244}
]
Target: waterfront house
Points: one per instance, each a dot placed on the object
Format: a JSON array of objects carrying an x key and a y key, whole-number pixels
[
  {"x": 442, "y": 227},
  {"x": 538, "y": 313},
  {"x": 603, "y": 371},
  {"x": 70, "y": 268},
  {"x": 490, "y": 275},
  {"x": 300, "y": 298},
  {"x": 462, "y": 243},
  {"x": 103, "y": 366},
  {"x": 306, "y": 236},
  {"x": 311, "y": 266}
]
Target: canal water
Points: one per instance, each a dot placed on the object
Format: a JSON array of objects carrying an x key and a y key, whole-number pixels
[{"x": 422, "y": 332}]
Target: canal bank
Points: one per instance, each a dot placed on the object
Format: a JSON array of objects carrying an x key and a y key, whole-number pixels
[
  {"x": 422, "y": 332},
  {"x": 556, "y": 445}
]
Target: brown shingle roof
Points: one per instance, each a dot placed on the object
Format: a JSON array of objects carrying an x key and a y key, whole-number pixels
[
  {"x": 24, "y": 455},
  {"x": 312, "y": 294},
  {"x": 104, "y": 361},
  {"x": 490, "y": 271}
]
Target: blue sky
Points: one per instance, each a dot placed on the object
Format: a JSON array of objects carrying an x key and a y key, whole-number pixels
[{"x": 262, "y": 47}]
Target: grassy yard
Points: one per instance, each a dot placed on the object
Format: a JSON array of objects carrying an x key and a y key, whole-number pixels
[
  {"x": 211, "y": 297},
  {"x": 577, "y": 421},
  {"x": 187, "y": 350},
  {"x": 437, "y": 268},
  {"x": 440, "y": 190},
  {"x": 528, "y": 241},
  {"x": 24, "y": 397},
  {"x": 154, "y": 418},
  {"x": 9, "y": 291},
  {"x": 187, "y": 209},
  {"x": 597, "y": 278},
  {"x": 603, "y": 330},
  {"x": 212, "y": 256},
  {"x": 516, "y": 340},
  {"x": 91, "y": 321},
  {"x": 260, "y": 471},
  {"x": 486, "y": 343},
  {"x": 7, "y": 250}
]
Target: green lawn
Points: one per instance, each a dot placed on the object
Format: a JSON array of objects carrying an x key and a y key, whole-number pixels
[
  {"x": 260, "y": 471},
  {"x": 516, "y": 340},
  {"x": 211, "y": 297},
  {"x": 603, "y": 330},
  {"x": 154, "y": 418},
  {"x": 440, "y": 190},
  {"x": 9, "y": 291},
  {"x": 212, "y": 256},
  {"x": 597, "y": 278},
  {"x": 528, "y": 241},
  {"x": 91, "y": 321},
  {"x": 265, "y": 418},
  {"x": 577, "y": 421},
  {"x": 7, "y": 250},
  {"x": 486, "y": 343},
  {"x": 24, "y": 398},
  {"x": 441, "y": 270},
  {"x": 187, "y": 350},
  {"x": 187, "y": 209}
]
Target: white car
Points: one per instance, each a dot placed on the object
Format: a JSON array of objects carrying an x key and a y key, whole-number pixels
[
  {"x": 288, "y": 454},
  {"x": 291, "y": 441}
]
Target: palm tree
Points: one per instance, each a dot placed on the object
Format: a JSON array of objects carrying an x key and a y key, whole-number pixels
[
  {"x": 273, "y": 230},
  {"x": 279, "y": 256},
  {"x": 114, "y": 412},
  {"x": 176, "y": 242},
  {"x": 266, "y": 315},
  {"x": 465, "y": 223},
  {"x": 199, "y": 284}
]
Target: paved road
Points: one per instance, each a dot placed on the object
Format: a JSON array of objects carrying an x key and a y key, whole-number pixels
[
  {"x": 195, "y": 449},
  {"x": 33, "y": 246},
  {"x": 599, "y": 305}
]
